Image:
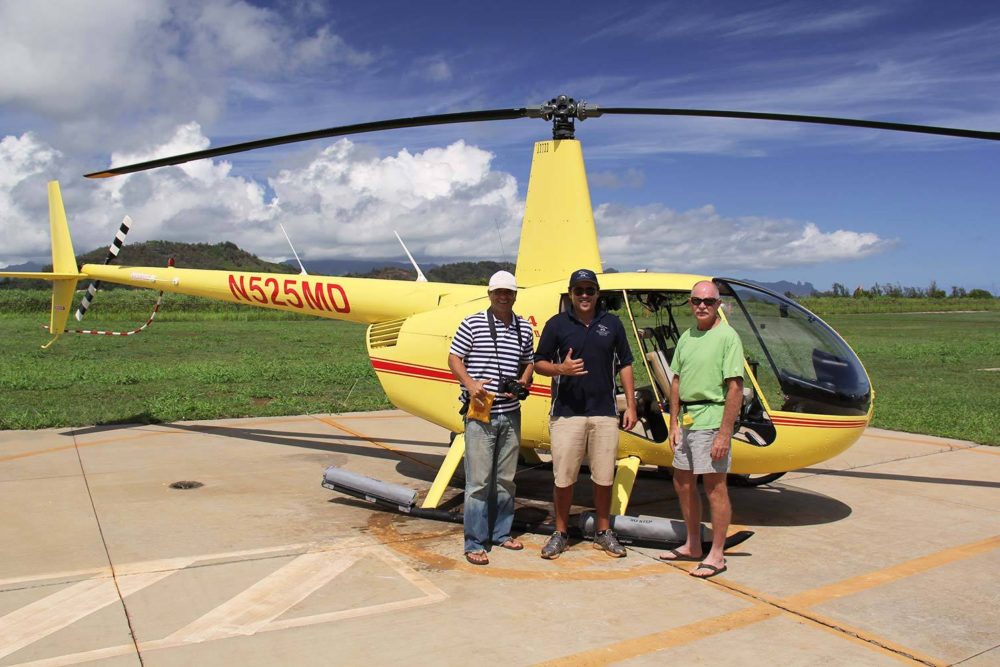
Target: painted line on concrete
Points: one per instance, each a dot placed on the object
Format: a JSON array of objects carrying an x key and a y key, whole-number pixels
[
  {"x": 258, "y": 605},
  {"x": 685, "y": 634},
  {"x": 892, "y": 573},
  {"x": 399, "y": 415},
  {"x": 357, "y": 434},
  {"x": 62, "y": 448},
  {"x": 252, "y": 611},
  {"x": 797, "y": 606},
  {"x": 61, "y": 609}
]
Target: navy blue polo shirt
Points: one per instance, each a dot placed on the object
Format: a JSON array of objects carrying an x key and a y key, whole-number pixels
[{"x": 604, "y": 349}]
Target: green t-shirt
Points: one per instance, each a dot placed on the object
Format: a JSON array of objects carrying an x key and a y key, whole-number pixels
[{"x": 704, "y": 359}]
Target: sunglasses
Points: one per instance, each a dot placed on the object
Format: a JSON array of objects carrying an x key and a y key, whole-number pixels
[
  {"x": 710, "y": 301},
  {"x": 584, "y": 291}
]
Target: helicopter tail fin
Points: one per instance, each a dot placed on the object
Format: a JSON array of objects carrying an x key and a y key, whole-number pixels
[
  {"x": 64, "y": 274},
  {"x": 558, "y": 234}
]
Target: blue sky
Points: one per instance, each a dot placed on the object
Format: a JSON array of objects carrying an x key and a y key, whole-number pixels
[{"x": 90, "y": 84}]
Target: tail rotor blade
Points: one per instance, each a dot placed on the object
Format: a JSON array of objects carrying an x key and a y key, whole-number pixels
[{"x": 113, "y": 250}]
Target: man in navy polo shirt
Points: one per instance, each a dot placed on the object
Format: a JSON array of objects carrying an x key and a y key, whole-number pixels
[{"x": 583, "y": 349}]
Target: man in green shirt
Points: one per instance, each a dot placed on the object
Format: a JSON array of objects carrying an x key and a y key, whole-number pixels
[{"x": 705, "y": 399}]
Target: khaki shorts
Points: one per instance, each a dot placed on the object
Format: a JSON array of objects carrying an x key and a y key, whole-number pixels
[
  {"x": 695, "y": 453},
  {"x": 572, "y": 437}
]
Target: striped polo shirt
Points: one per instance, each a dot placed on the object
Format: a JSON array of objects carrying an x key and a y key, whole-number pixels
[{"x": 473, "y": 342}]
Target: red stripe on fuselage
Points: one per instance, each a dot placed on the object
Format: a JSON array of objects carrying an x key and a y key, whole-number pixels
[
  {"x": 817, "y": 423},
  {"x": 432, "y": 373}
]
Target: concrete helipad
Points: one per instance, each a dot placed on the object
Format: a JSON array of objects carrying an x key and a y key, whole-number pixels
[{"x": 886, "y": 554}]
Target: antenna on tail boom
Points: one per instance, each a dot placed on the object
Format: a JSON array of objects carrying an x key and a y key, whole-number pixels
[
  {"x": 421, "y": 278},
  {"x": 303, "y": 272}
]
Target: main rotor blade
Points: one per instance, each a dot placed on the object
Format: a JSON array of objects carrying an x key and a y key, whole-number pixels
[
  {"x": 416, "y": 121},
  {"x": 795, "y": 118}
]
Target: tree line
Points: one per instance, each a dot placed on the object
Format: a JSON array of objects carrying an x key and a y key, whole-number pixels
[{"x": 897, "y": 291}]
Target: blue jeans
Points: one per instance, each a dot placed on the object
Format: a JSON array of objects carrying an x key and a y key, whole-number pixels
[{"x": 490, "y": 464}]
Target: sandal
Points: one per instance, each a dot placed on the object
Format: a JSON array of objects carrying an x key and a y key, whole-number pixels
[
  {"x": 512, "y": 544},
  {"x": 477, "y": 557},
  {"x": 712, "y": 570}
]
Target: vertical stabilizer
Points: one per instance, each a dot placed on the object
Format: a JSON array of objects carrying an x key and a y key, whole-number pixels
[
  {"x": 558, "y": 234},
  {"x": 63, "y": 262}
]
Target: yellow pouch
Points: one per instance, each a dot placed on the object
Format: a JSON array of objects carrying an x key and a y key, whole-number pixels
[
  {"x": 480, "y": 410},
  {"x": 687, "y": 421}
]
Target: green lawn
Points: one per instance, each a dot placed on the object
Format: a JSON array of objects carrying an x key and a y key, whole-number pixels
[
  {"x": 184, "y": 370},
  {"x": 926, "y": 370}
]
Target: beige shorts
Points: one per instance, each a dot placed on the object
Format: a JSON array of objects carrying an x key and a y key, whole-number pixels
[
  {"x": 695, "y": 453},
  {"x": 572, "y": 437}
]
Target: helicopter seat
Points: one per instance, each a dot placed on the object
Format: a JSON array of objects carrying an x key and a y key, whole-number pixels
[{"x": 662, "y": 375}]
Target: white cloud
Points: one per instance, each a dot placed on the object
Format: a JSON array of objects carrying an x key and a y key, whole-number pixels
[
  {"x": 345, "y": 201},
  {"x": 442, "y": 201},
  {"x": 24, "y": 163},
  {"x": 658, "y": 238},
  {"x": 158, "y": 60},
  {"x": 436, "y": 70}
]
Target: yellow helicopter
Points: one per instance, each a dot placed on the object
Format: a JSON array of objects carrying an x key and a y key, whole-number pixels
[{"x": 807, "y": 397}]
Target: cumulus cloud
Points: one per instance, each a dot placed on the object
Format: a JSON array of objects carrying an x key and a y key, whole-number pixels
[
  {"x": 156, "y": 59},
  {"x": 345, "y": 200},
  {"x": 659, "y": 238},
  {"x": 442, "y": 201},
  {"x": 24, "y": 161}
]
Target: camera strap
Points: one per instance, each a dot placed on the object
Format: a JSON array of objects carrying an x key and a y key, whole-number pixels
[{"x": 493, "y": 334}]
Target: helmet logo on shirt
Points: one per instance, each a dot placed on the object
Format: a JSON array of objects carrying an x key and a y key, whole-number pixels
[{"x": 603, "y": 330}]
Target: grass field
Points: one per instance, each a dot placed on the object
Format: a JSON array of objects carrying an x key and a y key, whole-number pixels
[
  {"x": 238, "y": 362},
  {"x": 184, "y": 370},
  {"x": 930, "y": 371}
]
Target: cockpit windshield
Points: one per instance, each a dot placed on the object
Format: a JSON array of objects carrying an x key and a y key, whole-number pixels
[{"x": 800, "y": 363}]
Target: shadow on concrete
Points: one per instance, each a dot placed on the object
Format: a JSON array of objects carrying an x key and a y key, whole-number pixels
[
  {"x": 785, "y": 506},
  {"x": 901, "y": 478},
  {"x": 327, "y": 442}
]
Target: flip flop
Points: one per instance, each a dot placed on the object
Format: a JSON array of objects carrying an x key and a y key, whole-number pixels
[
  {"x": 678, "y": 556},
  {"x": 512, "y": 545},
  {"x": 477, "y": 557},
  {"x": 705, "y": 566}
]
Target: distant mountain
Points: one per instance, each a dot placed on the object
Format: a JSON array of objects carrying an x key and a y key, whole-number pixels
[
  {"x": 783, "y": 287},
  {"x": 27, "y": 266},
  {"x": 223, "y": 256}
]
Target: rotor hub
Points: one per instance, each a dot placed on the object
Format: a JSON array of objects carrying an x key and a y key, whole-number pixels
[{"x": 564, "y": 111}]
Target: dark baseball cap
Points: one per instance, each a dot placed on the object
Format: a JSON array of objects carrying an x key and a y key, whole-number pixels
[{"x": 583, "y": 276}]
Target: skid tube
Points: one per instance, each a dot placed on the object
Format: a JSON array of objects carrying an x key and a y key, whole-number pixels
[{"x": 643, "y": 531}]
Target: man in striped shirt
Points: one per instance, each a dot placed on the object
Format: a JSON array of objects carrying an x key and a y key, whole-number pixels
[{"x": 488, "y": 346}]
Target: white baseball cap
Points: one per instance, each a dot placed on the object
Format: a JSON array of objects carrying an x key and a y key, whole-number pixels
[{"x": 502, "y": 280}]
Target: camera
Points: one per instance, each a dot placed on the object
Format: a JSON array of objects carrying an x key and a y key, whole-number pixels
[{"x": 508, "y": 385}]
